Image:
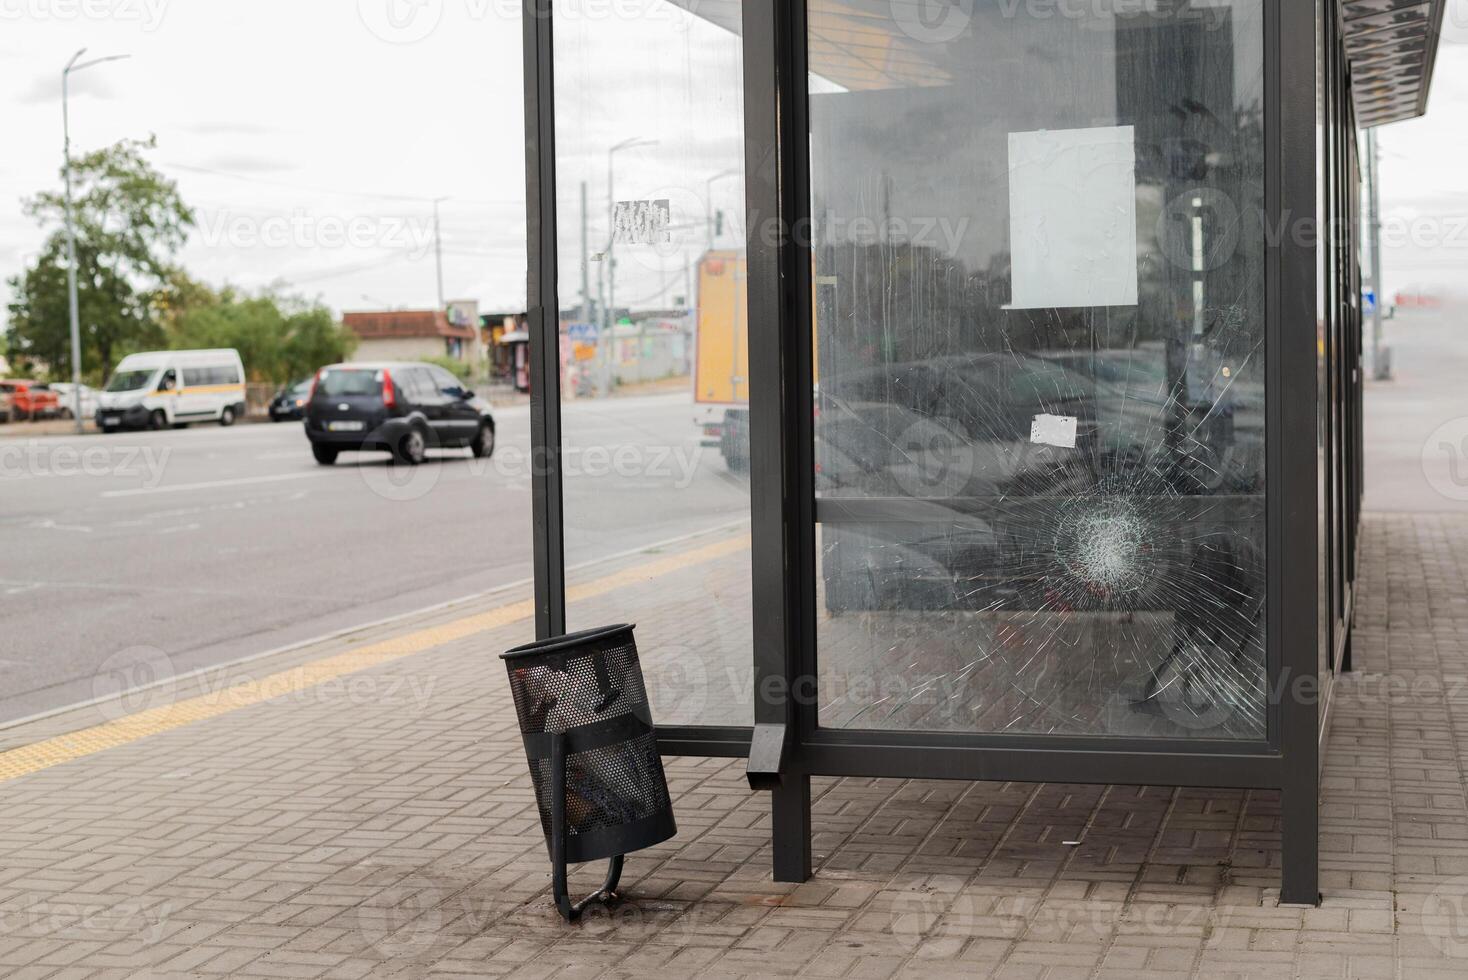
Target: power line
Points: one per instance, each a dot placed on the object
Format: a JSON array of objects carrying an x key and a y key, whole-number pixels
[
  {"x": 329, "y": 190},
  {"x": 346, "y": 270}
]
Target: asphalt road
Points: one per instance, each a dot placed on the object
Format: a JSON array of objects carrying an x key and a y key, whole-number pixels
[{"x": 184, "y": 549}]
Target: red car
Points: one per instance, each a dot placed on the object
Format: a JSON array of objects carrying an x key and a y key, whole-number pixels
[{"x": 29, "y": 399}]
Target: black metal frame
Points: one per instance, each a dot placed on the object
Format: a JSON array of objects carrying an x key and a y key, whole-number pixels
[
  {"x": 786, "y": 747},
  {"x": 542, "y": 320}
]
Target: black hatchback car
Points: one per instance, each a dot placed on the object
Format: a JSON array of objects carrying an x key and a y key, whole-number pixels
[
  {"x": 402, "y": 408},
  {"x": 289, "y": 402}
]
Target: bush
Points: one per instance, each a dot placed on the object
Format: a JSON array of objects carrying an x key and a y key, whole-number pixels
[
  {"x": 459, "y": 369},
  {"x": 280, "y": 338}
]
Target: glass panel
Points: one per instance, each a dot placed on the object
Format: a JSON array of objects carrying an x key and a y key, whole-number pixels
[
  {"x": 649, "y": 160},
  {"x": 1040, "y": 332}
]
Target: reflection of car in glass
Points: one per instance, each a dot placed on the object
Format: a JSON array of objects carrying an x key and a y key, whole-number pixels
[
  {"x": 1109, "y": 524},
  {"x": 29, "y": 399},
  {"x": 400, "y": 408},
  {"x": 289, "y": 402},
  {"x": 1205, "y": 431},
  {"x": 951, "y": 427}
]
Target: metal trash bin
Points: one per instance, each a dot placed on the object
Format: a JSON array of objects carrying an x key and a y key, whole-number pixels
[{"x": 592, "y": 750}]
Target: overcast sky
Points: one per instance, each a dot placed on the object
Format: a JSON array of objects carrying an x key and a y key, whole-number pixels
[
  {"x": 1424, "y": 180},
  {"x": 312, "y": 138},
  {"x": 311, "y": 147}
]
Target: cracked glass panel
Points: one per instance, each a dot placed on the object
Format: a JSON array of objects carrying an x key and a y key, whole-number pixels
[{"x": 1039, "y": 305}]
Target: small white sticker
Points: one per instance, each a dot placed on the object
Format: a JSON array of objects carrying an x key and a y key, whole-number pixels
[
  {"x": 1054, "y": 430},
  {"x": 642, "y": 222}
]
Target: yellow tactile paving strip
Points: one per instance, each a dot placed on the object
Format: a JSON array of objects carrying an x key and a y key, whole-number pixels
[{"x": 88, "y": 741}]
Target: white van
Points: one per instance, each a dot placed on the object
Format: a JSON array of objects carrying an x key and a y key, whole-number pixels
[{"x": 173, "y": 387}]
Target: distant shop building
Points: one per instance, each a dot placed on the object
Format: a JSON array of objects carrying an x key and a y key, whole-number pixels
[{"x": 503, "y": 336}]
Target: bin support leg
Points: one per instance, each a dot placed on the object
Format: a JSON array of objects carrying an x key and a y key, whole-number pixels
[
  {"x": 790, "y": 827},
  {"x": 1299, "y": 879},
  {"x": 569, "y": 910}
]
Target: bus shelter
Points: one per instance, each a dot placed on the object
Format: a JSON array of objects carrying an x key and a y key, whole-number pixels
[{"x": 1022, "y": 432}]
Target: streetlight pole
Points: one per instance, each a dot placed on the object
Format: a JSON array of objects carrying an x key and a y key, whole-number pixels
[
  {"x": 438, "y": 250},
  {"x": 71, "y": 298},
  {"x": 610, "y": 266}
]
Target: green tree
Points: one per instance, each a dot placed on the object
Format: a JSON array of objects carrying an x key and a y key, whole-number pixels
[
  {"x": 130, "y": 224},
  {"x": 313, "y": 338},
  {"x": 279, "y": 338}
]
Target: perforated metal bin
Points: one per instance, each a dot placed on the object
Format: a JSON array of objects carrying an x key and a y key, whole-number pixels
[{"x": 593, "y": 752}]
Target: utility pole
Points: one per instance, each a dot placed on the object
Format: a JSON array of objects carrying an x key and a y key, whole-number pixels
[
  {"x": 71, "y": 298},
  {"x": 585, "y": 263},
  {"x": 608, "y": 338},
  {"x": 1381, "y": 368},
  {"x": 438, "y": 250}
]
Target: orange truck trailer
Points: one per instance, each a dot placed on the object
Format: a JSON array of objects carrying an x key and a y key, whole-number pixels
[{"x": 721, "y": 356}]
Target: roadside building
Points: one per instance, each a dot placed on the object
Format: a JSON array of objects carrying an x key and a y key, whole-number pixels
[
  {"x": 409, "y": 335},
  {"x": 502, "y": 335}
]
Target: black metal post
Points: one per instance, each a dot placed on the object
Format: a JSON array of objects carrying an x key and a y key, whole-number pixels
[
  {"x": 790, "y": 828},
  {"x": 781, "y": 442},
  {"x": 1290, "y": 78},
  {"x": 543, "y": 321}
]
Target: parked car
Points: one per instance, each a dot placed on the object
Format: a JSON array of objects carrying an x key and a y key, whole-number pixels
[
  {"x": 65, "y": 393},
  {"x": 29, "y": 399},
  {"x": 289, "y": 402},
  {"x": 402, "y": 408},
  {"x": 165, "y": 388}
]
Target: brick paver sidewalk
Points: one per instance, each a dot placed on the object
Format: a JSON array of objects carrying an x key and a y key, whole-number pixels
[{"x": 363, "y": 810}]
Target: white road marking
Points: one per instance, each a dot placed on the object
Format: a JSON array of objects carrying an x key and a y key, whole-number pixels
[
  {"x": 213, "y": 484},
  {"x": 67, "y": 474},
  {"x": 47, "y": 524}
]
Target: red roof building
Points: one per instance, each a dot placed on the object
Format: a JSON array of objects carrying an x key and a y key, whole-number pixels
[{"x": 408, "y": 335}]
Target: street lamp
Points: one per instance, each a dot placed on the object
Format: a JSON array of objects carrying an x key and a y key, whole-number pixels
[
  {"x": 610, "y": 267},
  {"x": 76, "y": 328},
  {"x": 438, "y": 250}
]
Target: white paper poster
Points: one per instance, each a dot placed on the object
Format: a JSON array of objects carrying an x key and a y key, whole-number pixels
[
  {"x": 1073, "y": 217},
  {"x": 1054, "y": 430}
]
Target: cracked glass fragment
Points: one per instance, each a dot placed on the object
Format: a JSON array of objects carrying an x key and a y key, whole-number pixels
[{"x": 1041, "y": 518}]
